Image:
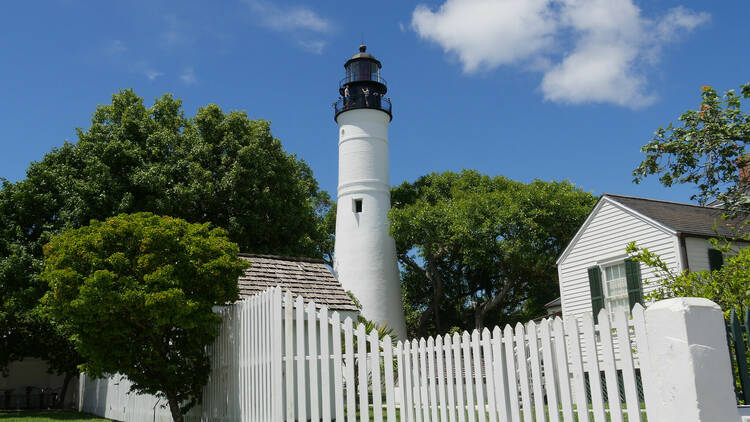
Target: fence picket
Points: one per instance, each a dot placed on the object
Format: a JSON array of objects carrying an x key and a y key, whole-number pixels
[
  {"x": 325, "y": 362},
  {"x": 523, "y": 372},
  {"x": 408, "y": 406},
  {"x": 440, "y": 360},
  {"x": 610, "y": 371},
  {"x": 364, "y": 404},
  {"x": 449, "y": 378},
  {"x": 592, "y": 359},
  {"x": 374, "y": 364},
  {"x": 258, "y": 360},
  {"x": 510, "y": 360},
  {"x": 301, "y": 353},
  {"x": 278, "y": 375},
  {"x": 499, "y": 375},
  {"x": 416, "y": 383},
  {"x": 289, "y": 346},
  {"x": 566, "y": 399},
  {"x": 423, "y": 385},
  {"x": 478, "y": 386},
  {"x": 338, "y": 386},
  {"x": 432, "y": 381},
  {"x": 459, "y": 378},
  {"x": 639, "y": 326},
  {"x": 267, "y": 402},
  {"x": 312, "y": 354},
  {"x": 402, "y": 378},
  {"x": 468, "y": 379},
  {"x": 536, "y": 379},
  {"x": 488, "y": 374},
  {"x": 550, "y": 386},
  {"x": 579, "y": 381},
  {"x": 351, "y": 406},
  {"x": 245, "y": 338},
  {"x": 390, "y": 398},
  {"x": 628, "y": 369}
]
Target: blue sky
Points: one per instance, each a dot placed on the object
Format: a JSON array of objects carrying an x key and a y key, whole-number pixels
[{"x": 563, "y": 89}]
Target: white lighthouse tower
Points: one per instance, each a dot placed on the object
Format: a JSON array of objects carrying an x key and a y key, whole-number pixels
[{"x": 365, "y": 254}]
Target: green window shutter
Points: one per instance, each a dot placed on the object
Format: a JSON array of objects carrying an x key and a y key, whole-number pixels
[
  {"x": 597, "y": 296},
  {"x": 715, "y": 259},
  {"x": 633, "y": 278}
]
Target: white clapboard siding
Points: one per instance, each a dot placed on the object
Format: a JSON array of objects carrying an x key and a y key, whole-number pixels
[
  {"x": 292, "y": 360},
  {"x": 605, "y": 235}
]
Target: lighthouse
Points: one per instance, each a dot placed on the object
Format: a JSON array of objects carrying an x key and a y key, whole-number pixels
[{"x": 364, "y": 253}]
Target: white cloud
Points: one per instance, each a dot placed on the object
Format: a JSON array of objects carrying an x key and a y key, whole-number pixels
[
  {"x": 152, "y": 74},
  {"x": 303, "y": 25},
  {"x": 312, "y": 46},
  {"x": 188, "y": 76},
  {"x": 588, "y": 50},
  {"x": 678, "y": 20},
  {"x": 293, "y": 18},
  {"x": 487, "y": 33}
]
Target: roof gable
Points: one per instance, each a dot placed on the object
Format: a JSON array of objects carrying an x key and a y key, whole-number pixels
[
  {"x": 308, "y": 277},
  {"x": 604, "y": 199}
]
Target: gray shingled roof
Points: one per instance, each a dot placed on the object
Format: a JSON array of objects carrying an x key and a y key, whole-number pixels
[
  {"x": 553, "y": 302},
  {"x": 685, "y": 218},
  {"x": 308, "y": 277}
]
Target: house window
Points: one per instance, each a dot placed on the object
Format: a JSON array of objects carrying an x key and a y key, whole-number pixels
[
  {"x": 615, "y": 289},
  {"x": 615, "y": 286},
  {"x": 715, "y": 259},
  {"x": 357, "y": 206}
]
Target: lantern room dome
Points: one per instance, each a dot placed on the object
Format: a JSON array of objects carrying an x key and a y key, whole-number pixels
[
  {"x": 362, "y": 87},
  {"x": 362, "y": 55}
]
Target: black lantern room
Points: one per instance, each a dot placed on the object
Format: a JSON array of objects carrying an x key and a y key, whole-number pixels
[{"x": 363, "y": 87}]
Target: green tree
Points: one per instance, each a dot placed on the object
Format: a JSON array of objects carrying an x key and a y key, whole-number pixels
[
  {"x": 136, "y": 293},
  {"x": 215, "y": 167},
  {"x": 706, "y": 150},
  {"x": 727, "y": 287},
  {"x": 478, "y": 250}
]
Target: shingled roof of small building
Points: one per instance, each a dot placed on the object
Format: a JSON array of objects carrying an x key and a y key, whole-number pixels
[
  {"x": 685, "y": 218},
  {"x": 308, "y": 277}
]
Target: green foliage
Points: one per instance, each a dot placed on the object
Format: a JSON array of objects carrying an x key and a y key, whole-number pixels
[
  {"x": 215, "y": 167},
  {"x": 136, "y": 294},
  {"x": 729, "y": 286},
  {"x": 707, "y": 150},
  {"x": 478, "y": 250}
]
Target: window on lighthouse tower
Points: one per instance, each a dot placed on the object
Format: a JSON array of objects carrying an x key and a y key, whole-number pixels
[{"x": 357, "y": 205}]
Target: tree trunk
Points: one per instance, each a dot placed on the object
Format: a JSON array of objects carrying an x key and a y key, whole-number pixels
[
  {"x": 482, "y": 310},
  {"x": 64, "y": 392},
  {"x": 174, "y": 407},
  {"x": 479, "y": 318}
]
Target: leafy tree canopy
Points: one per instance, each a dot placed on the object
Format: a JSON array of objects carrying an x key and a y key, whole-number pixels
[
  {"x": 707, "y": 150},
  {"x": 479, "y": 250},
  {"x": 727, "y": 286},
  {"x": 136, "y": 292},
  {"x": 215, "y": 167}
]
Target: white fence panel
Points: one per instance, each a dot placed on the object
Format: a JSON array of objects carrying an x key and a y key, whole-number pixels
[{"x": 280, "y": 359}]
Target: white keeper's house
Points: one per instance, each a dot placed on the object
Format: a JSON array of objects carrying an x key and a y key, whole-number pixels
[{"x": 594, "y": 270}]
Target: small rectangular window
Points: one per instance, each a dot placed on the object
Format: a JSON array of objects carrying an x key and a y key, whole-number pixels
[{"x": 357, "y": 205}]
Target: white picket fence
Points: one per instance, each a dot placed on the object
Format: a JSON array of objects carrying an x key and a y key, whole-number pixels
[
  {"x": 530, "y": 371},
  {"x": 278, "y": 359}
]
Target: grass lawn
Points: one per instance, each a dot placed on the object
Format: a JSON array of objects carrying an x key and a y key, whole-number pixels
[{"x": 48, "y": 416}]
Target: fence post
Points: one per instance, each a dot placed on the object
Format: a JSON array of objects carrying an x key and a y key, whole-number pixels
[{"x": 689, "y": 362}]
